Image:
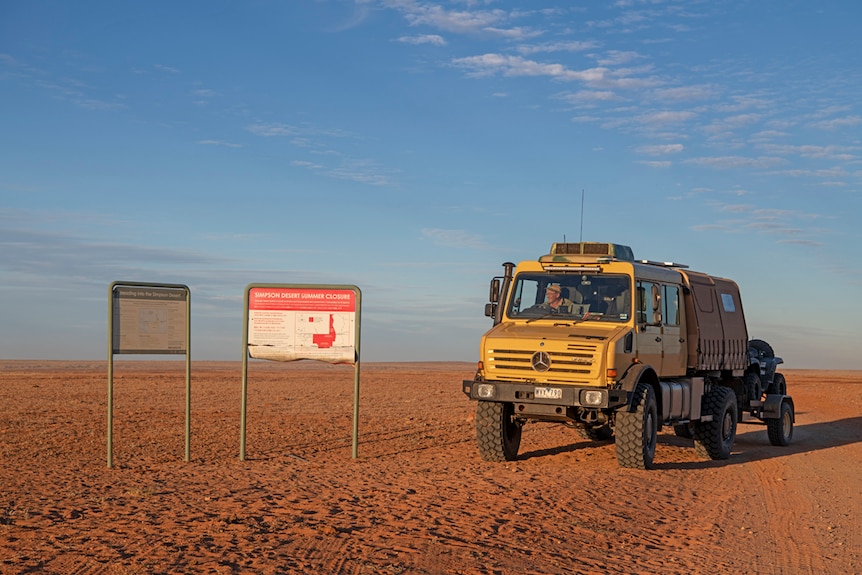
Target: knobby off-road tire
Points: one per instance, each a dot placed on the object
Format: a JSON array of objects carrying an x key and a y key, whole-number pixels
[
  {"x": 764, "y": 349},
  {"x": 754, "y": 385},
  {"x": 778, "y": 385},
  {"x": 637, "y": 430},
  {"x": 714, "y": 439},
  {"x": 781, "y": 430},
  {"x": 497, "y": 434}
]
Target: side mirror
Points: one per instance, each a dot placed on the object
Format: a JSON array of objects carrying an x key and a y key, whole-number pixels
[
  {"x": 490, "y": 309},
  {"x": 495, "y": 291}
]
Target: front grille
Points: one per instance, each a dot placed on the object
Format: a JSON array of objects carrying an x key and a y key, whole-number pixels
[{"x": 575, "y": 363}]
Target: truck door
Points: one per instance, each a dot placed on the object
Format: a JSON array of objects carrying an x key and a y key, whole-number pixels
[
  {"x": 648, "y": 331},
  {"x": 673, "y": 333}
]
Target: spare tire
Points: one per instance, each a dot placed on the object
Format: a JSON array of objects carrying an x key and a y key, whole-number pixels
[{"x": 762, "y": 348}]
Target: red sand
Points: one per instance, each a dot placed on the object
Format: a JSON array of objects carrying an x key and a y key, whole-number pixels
[{"x": 417, "y": 500}]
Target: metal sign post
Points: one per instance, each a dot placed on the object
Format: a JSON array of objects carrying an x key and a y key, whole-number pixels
[
  {"x": 148, "y": 318},
  {"x": 289, "y": 322}
]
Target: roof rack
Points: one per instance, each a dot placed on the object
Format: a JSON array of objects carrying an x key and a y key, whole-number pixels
[
  {"x": 662, "y": 264},
  {"x": 597, "y": 249}
]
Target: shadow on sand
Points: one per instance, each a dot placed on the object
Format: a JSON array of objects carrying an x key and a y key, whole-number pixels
[{"x": 752, "y": 443}]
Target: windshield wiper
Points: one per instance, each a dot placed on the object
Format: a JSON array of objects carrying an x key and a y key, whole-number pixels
[{"x": 568, "y": 321}]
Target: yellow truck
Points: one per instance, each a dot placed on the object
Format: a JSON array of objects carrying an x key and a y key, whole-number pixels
[{"x": 614, "y": 347}]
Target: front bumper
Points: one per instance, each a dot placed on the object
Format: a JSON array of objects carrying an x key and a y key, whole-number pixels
[{"x": 555, "y": 395}]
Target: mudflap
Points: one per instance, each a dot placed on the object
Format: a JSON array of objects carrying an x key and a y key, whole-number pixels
[{"x": 772, "y": 406}]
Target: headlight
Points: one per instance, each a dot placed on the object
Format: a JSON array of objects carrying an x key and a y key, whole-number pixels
[
  {"x": 485, "y": 390},
  {"x": 591, "y": 397}
]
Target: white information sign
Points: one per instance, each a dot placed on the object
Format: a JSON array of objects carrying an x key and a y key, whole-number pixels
[
  {"x": 149, "y": 320},
  {"x": 287, "y": 324}
]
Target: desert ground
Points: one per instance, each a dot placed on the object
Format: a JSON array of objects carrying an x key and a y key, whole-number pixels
[{"x": 417, "y": 500}]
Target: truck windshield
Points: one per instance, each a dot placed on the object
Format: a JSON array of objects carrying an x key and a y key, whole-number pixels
[{"x": 585, "y": 297}]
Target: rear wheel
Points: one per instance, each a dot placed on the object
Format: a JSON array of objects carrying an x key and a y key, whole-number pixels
[
  {"x": 637, "y": 430},
  {"x": 497, "y": 433},
  {"x": 778, "y": 385},
  {"x": 714, "y": 439},
  {"x": 781, "y": 430}
]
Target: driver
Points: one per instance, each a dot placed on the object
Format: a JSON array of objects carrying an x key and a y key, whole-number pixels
[{"x": 554, "y": 300}]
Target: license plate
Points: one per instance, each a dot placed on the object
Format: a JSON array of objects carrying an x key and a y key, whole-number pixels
[{"x": 548, "y": 393}]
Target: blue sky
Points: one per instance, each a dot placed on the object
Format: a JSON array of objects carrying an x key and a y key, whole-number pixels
[{"x": 410, "y": 147}]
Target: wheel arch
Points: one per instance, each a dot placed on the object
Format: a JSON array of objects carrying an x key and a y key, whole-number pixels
[{"x": 642, "y": 373}]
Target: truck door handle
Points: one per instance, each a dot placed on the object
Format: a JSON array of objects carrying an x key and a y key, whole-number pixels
[{"x": 658, "y": 340}]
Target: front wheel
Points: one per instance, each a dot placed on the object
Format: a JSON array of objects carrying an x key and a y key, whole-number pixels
[
  {"x": 497, "y": 433},
  {"x": 637, "y": 430},
  {"x": 781, "y": 430},
  {"x": 714, "y": 439}
]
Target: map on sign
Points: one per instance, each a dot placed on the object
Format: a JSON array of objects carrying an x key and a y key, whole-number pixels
[
  {"x": 322, "y": 331},
  {"x": 152, "y": 321},
  {"x": 287, "y": 324}
]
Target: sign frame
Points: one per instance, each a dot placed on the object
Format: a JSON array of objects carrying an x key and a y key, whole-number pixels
[
  {"x": 286, "y": 301},
  {"x": 145, "y": 346}
]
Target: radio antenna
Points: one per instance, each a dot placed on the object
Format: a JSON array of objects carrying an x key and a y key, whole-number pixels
[{"x": 582, "y": 215}]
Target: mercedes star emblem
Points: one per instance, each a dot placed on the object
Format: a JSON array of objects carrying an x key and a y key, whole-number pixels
[{"x": 541, "y": 361}]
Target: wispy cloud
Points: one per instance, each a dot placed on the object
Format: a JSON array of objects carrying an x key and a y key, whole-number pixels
[
  {"x": 433, "y": 39},
  {"x": 835, "y": 172},
  {"x": 548, "y": 47},
  {"x": 733, "y": 162},
  {"x": 727, "y": 126},
  {"x": 65, "y": 254},
  {"x": 219, "y": 143},
  {"x": 514, "y": 66},
  {"x": 837, "y": 123},
  {"x": 660, "y": 149},
  {"x": 273, "y": 130},
  {"x": 436, "y": 16},
  {"x": 656, "y": 164},
  {"x": 166, "y": 69},
  {"x": 832, "y": 152},
  {"x": 801, "y": 242},
  {"x": 490, "y": 64},
  {"x": 685, "y": 93},
  {"x": 588, "y": 97},
  {"x": 277, "y": 129},
  {"x": 618, "y": 57},
  {"x": 454, "y": 238},
  {"x": 789, "y": 226},
  {"x": 322, "y": 143}
]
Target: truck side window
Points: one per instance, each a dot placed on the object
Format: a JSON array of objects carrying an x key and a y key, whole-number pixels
[
  {"x": 640, "y": 303},
  {"x": 656, "y": 304},
  {"x": 648, "y": 309},
  {"x": 671, "y": 305}
]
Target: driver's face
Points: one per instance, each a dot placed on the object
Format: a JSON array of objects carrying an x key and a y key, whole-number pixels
[{"x": 552, "y": 295}]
